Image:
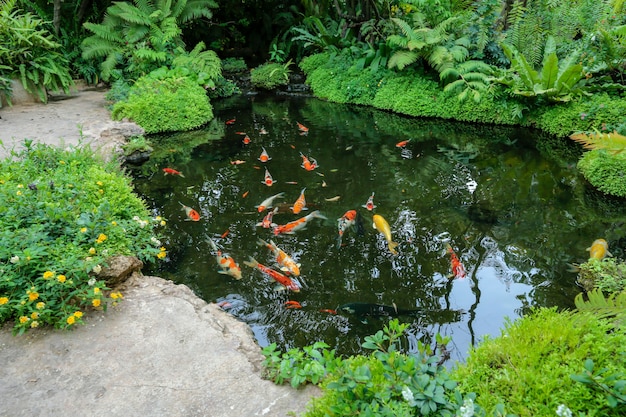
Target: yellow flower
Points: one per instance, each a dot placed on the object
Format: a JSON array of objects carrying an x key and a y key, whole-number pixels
[
  {"x": 83, "y": 229},
  {"x": 161, "y": 255},
  {"x": 101, "y": 238},
  {"x": 20, "y": 185},
  {"x": 101, "y": 191},
  {"x": 48, "y": 274},
  {"x": 96, "y": 302},
  {"x": 71, "y": 320},
  {"x": 116, "y": 295},
  {"x": 158, "y": 218},
  {"x": 40, "y": 305},
  {"x": 61, "y": 278},
  {"x": 32, "y": 295},
  {"x": 4, "y": 300},
  {"x": 34, "y": 315},
  {"x": 19, "y": 193},
  {"x": 62, "y": 162},
  {"x": 34, "y": 324},
  {"x": 99, "y": 183},
  {"x": 96, "y": 290},
  {"x": 24, "y": 319},
  {"x": 78, "y": 314},
  {"x": 162, "y": 223},
  {"x": 114, "y": 223}
]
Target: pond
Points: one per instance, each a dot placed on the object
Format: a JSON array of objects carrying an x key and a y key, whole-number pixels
[{"x": 515, "y": 215}]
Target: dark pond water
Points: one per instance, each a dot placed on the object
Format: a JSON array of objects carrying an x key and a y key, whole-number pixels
[{"x": 514, "y": 213}]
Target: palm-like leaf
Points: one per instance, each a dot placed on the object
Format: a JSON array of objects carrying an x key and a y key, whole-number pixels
[
  {"x": 612, "y": 142},
  {"x": 612, "y": 307}
]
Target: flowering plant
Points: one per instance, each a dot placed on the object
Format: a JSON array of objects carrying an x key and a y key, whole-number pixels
[{"x": 62, "y": 215}]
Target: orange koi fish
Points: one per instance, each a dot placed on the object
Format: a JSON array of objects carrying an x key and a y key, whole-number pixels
[
  {"x": 370, "y": 203},
  {"x": 599, "y": 249},
  {"x": 302, "y": 128},
  {"x": 267, "y": 223},
  {"x": 269, "y": 181},
  {"x": 246, "y": 140},
  {"x": 264, "y": 156},
  {"x": 344, "y": 223},
  {"x": 170, "y": 171},
  {"x": 458, "y": 270},
  {"x": 300, "y": 203},
  {"x": 231, "y": 121},
  {"x": 308, "y": 163},
  {"x": 240, "y": 133},
  {"x": 293, "y": 304},
  {"x": 286, "y": 262},
  {"x": 282, "y": 279},
  {"x": 237, "y": 162},
  {"x": 245, "y": 194},
  {"x": 300, "y": 224},
  {"x": 267, "y": 203},
  {"x": 402, "y": 144},
  {"x": 227, "y": 265},
  {"x": 328, "y": 310},
  {"x": 191, "y": 213}
]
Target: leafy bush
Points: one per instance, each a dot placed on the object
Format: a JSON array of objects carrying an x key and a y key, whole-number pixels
[
  {"x": 270, "y": 75},
  {"x": 234, "y": 65},
  {"x": 28, "y": 52},
  {"x": 204, "y": 67},
  {"x": 530, "y": 364},
  {"x": 166, "y": 101},
  {"x": 607, "y": 275},
  {"x": 62, "y": 215},
  {"x": 385, "y": 383},
  {"x": 605, "y": 171}
]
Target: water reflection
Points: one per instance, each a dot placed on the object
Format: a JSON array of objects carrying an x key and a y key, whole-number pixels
[{"x": 513, "y": 216}]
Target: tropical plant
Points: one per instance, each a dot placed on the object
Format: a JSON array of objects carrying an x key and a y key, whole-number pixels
[
  {"x": 558, "y": 83},
  {"x": 270, "y": 75},
  {"x": 319, "y": 36},
  {"x": 29, "y": 53},
  {"x": 205, "y": 67},
  {"x": 135, "y": 39},
  {"x": 611, "y": 384},
  {"x": 612, "y": 308},
  {"x": 63, "y": 214},
  {"x": 470, "y": 78},
  {"x": 166, "y": 101},
  {"x": 611, "y": 142}
]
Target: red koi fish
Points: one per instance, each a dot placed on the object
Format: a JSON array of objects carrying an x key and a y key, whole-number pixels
[
  {"x": 170, "y": 171},
  {"x": 344, "y": 223},
  {"x": 300, "y": 203},
  {"x": 269, "y": 181},
  {"x": 267, "y": 223},
  {"x": 192, "y": 215},
  {"x": 308, "y": 163},
  {"x": 328, "y": 310},
  {"x": 458, "y": 270},
  {"x": 227, "y": 265},
  {"x": 292, "y": 304},
  {"x": 402, "y": 144},
  {"x": 237, "y": 162},
  {"x": 231, "y": 121},
  {"x": 300, "y": 224},
  {"x": 285, "y": 261},
  {"x": 240, "y": 133},
  {"x": 370, "y": 203},
  {"x": 267, "y": 203},
  {"x": 264, "y": 156},
  {"x": 246, "y": 140},
  {"x": 302, "y": 128},
  {"x": 282, "y": 279}
]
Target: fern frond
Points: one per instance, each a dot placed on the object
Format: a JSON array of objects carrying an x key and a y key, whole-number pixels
[
  {"x": 401, "y": 59},
  {"x": 129, "y": 13},
  {"x": 196, "y": 9},
  {"x": 145, "y": 6},
  {"x": 103, "y": 32},
  {"x": 612, "y": 142},
  {"x": 612, "y": 307},
  {"x": 94, "y": 47}
]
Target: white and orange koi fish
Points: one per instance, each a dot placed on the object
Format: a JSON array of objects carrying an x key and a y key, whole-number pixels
[
  {"x": 227, "y": 265},
  {"x": 308, "y": 163},
  {"x": 285, "y": 261},
  {"x": 269, "y": 181},
  {"x": 264, "y": 156},
  {"x": 267, "y": 223},
  {"x": 282, "y": 279},
  {"x": 344, "y": 223},
  {"x": 267, "y": 203},
  {"x": 370, "y": 203},
  {"x": 300, "y": 203},
  {"x": 299, "y": 224}
]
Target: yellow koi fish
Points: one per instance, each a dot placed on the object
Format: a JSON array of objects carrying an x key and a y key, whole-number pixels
[
  {"x": 382, "y": 226},
  {"x": 599, "y": 249}
]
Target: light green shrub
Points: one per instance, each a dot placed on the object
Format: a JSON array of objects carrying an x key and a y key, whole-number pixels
[
  {"x": 270, "y": 75},
  {"x": 605, "y": 171}
]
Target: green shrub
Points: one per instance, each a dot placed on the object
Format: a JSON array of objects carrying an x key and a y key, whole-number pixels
[
  {"x": 270, "y": 75},
  {"x": 234, "y": 65},
  {"x": 166, "y": 101},
  {"x": 607, "y": 275},
  {"x": 62, "y": 215},
  {"x": 529, "y": 366},
  {"x": 605, "y": 171}
]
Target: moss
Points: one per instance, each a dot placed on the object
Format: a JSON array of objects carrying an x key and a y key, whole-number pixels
[{"x": 605, "y": 171}]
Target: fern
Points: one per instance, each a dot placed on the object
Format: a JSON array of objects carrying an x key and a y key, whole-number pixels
[
  {"x": 612, "y": 307},
  {"x": 612, "y": 142}
]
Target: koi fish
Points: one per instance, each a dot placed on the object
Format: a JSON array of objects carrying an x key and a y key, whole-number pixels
[
  {"x": 246, "y": 140},
  {"x": 299, "y": 224},
  {"x": 599, "y": 249},
  {"x": 231, "y": 121},
  {"x": 328, "y": 310},
  {"x": 370, "y": 203},
  {"x": 282, "y": 279},
  {"x": 382, "y": 226},
  {"x": 264, "y": 156},
  {"x": 267, "y": 223},
  {"x": 170, "y": 171},
  {"x": 335, "y": 198},
  {"x": 267, "y": 203},
  {"x": 245, "y": 194},
  {"x": 286, "y": 262},
  {"x": 237, "y": 162},
  {"x": 269, "y": 181},
  {"x": 300, "y": 203},
  {"x": 344, "y": 223},
  {"x": 191, "y": 213},
  {"x": 458, "y": 270},
  {"x": 308, "y": 164},
  {"x": 302, "y": 128},
  {"x": 263, "y": 131},
  {"x": 292, "y": 304},
  {"x": 402, "y": 144},
  {"x": 240, "y": 133},
  {"x": 227, "y": 265}
]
